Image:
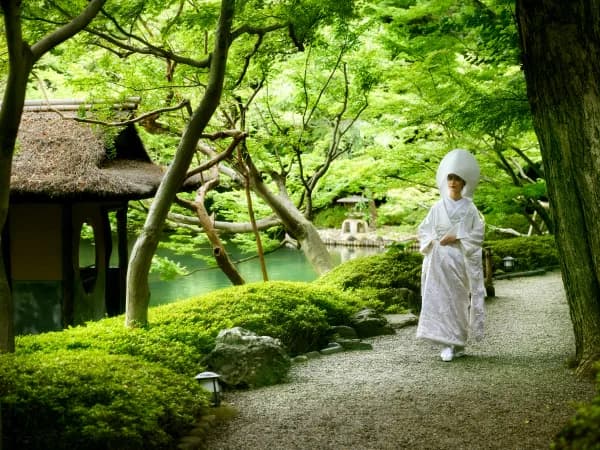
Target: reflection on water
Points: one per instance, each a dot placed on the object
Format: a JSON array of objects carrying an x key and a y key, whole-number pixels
[{"x": 283, "y": 264}]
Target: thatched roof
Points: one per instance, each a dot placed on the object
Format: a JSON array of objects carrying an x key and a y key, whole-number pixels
[{"x": 58, "y": 158}]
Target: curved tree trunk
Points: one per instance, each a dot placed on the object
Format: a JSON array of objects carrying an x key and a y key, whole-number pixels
[
  {"x": 138, "y": 291},
  {"x": 561, "y": 55},
  {"x": 294, "y": 222}
]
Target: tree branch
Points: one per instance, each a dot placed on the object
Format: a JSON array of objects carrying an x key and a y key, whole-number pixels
[
  {"x": 68, "y": 30},
  {"x": 219, "y": 157},
  {"x": 247, "y": 29},
  {"x": 183, "y": 104},
  {"x": 152, "y": 50}
]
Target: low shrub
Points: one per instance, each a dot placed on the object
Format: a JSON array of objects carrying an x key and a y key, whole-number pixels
[
  {"x": 182, "y": 333},
  {"x": 331, "y": 217},
  {"x": 179, "y": 347},
  {"x": 73, "y": 399},
  {"x": 380, "y": 281}
]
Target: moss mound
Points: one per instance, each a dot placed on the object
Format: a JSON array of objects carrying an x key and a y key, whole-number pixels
[{"x": 380, "y": 281}]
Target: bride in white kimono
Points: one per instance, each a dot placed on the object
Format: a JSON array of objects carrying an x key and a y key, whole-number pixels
[{"x": 451, "y": 237}]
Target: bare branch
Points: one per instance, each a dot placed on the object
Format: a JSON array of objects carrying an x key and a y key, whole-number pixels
[
  {"x": 183, "y": 104},
  {"x": 247, "y": 29},
  {"x": 237, "y": 138},
  {"x": 229, "y": 227},
  {"x": 247, "y": 59},
  {"x": 520, "y": 170}
]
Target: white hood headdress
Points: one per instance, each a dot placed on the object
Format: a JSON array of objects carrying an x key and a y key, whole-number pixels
[{"x": 463, "y": 164}]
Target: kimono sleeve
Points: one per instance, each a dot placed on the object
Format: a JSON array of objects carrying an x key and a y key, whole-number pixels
[
  {"x": 471, "y": 231},
  {"x": 426, "y": 232}
]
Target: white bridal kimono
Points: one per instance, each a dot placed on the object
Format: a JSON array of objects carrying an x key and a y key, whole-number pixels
[{"x": 452, "y": 285}]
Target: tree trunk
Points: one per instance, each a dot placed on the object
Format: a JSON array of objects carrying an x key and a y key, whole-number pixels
[
  {"x": 298, "y": 226},
  {"x": 20, "y": 63},
  {"x": 561, "y": 55},
  {"x": 138, "y": 291},
  {"x": 219, "y": 251},
  {"x": 21, "y": 58}
]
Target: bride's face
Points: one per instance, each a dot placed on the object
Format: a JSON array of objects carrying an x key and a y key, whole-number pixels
[{"x": 455, "y": 186}]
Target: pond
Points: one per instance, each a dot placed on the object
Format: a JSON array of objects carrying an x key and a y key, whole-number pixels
[{"x": 285, "y": 264}]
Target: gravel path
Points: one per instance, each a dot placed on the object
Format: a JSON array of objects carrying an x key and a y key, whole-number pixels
[{"x": 511, "y": 391}]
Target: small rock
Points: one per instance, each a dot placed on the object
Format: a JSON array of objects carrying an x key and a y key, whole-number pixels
[
  {"x": 369, "y": 322},
  {"x": 354, "y": 344},
  {"x": 343, "y": 331},
  {"x": 300, "y": 359},
  {"x": 398, "y": 321},
  {"x": 332, "y": 347}
]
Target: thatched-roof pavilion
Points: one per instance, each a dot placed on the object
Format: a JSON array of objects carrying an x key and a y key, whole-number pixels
[{"x": 67, "y": 174}]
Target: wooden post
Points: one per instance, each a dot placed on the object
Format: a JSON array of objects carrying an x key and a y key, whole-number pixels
[{"x": 488, "y": 272}]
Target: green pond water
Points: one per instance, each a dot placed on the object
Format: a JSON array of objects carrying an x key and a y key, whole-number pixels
[{"x": 285, "y": 264}]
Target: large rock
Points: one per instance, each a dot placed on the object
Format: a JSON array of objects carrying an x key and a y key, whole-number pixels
[
  {"x": 244, "y": 359},
  {"x": 368, "y": 322}
]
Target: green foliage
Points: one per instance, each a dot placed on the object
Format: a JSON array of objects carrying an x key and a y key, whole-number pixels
[
  {"x": 438, "y": 74},
  {"x": 167, "y": 268},
  {"x": 330, "y": 217},
  {"x": 380, "y": 281},
  {"x": 72, "y": 399},
  {"x": 177, "y": 348},
  {"x": 534, "y": 252},
  {"x": 405, "y": 207}
]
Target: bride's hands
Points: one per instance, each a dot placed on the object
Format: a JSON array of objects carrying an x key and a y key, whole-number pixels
[{"x": 447, "y": 240}]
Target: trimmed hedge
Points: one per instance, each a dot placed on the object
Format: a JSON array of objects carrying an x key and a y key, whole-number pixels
[
  {"x": 297, "y": 313},
  {"x": 182, "y": 333},
  {"x": 532, "y": 252}
]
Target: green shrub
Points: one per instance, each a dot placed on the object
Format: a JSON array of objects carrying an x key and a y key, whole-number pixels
[
  {"x": 182, "y": 333},
  {"x": 533, "y": 252},
  {"x": 75, "y": 399},
  {"x": 380, "y": 280},
  {"x": 331, "y": 217}
]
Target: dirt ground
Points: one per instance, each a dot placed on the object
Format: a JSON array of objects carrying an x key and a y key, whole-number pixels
[{"x": 512, "y": 391}]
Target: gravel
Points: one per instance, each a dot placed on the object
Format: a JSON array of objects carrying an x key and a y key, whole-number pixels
[{"x": 513, "y": 390}]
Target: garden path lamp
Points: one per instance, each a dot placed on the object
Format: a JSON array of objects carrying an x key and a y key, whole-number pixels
[
  {"x": 508, "y": 262},
  {"x": 209, "y": 381}
]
